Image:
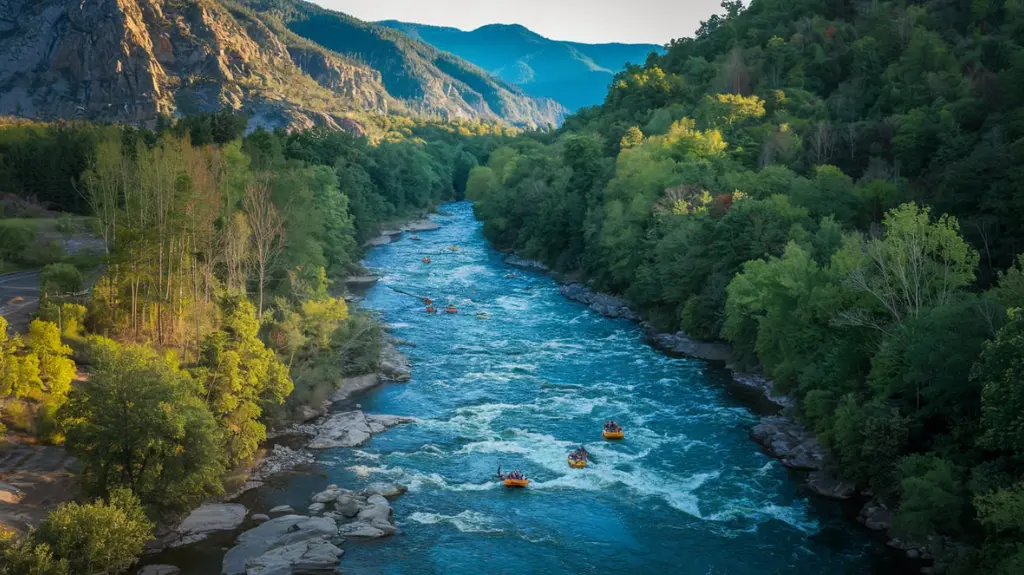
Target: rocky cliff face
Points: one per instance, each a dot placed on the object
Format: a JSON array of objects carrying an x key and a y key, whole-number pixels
[{"x": 132, "y": 60}]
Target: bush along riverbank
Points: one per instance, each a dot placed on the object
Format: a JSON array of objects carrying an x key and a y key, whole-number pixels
[{"x": 782, "y": 435}]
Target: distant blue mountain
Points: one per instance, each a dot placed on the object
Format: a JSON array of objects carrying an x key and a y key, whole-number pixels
[{"x": 573, "y": 74}]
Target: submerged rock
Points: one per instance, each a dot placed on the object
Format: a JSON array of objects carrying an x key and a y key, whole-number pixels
[
  {"x": 796, "y": 447},
  {"x": 282, "y": 509},
  {"x": 273, "y": 537},
  {"x": 353, "y": 428},
  {"x": 209, "y": 519}
]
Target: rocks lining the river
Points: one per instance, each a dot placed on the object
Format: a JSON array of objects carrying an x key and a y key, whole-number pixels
[
  {"x": 679, "y": 342},
  {"x": 281, "y": 459},
  {"x": 291, "y": 544},
  {"x": 790, "y": 442},
  {"x": 523, "y": 263},
  {"x": 352, "y": 385},
  {"x": 604, "y": 304},
  {"x": 159, "y": 570},
  {"x": 208, "y": 519},
  {"x": 352, "y": 428},
  {"x": 394, "y": 365},
  {"x": 424, "y": 225},
  {"x": 875, "y": 516}
]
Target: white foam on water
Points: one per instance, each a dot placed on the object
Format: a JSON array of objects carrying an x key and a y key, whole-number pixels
[
  {"x": 510, "y": 303},
  {"x": 364, "y": 471},
  {"x": 399, "y": 325},
  {"x": 468, "y": 521}
]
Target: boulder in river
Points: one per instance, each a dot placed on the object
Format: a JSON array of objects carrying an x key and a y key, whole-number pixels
[
  {"x": 209, "y": 519},
  {"x": 796, "y": 447},
  {"x": 353, "y": 428},
  {"x": 277, "y": 538},
  {"x": 282, "y": 510},
  {"x": 388, "y": 490}
]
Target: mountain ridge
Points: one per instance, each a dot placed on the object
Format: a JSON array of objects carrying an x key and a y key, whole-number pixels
[
  {"x": 574, "y": 74},
  {"x": 136, "y": 60}
]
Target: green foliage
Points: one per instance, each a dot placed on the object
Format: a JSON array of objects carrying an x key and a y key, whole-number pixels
[
  {"x": 24, "y": 556},
  {"x": 241, "y": 377},
  {"x": 101, "y": 538},
  {"x": 60, "y": 279},
  {"x": 1000, "y": 373},
  {"x": 140, "y": 422},
  {"x": 933, "y": 499}
]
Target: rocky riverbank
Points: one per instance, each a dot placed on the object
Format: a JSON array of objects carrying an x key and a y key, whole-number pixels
[{"x": 781, "y": 435}]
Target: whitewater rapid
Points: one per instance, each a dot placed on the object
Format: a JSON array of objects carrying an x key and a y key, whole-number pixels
[{"x": 686, "y": 492}]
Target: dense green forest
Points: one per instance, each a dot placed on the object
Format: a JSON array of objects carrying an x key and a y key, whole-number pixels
[
  {"x": 217, "y": 310},
  {"x": 833, "y": 187}
]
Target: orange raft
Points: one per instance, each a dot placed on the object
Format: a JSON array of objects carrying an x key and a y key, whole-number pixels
[
  {"x": 431, "y": 309},
  {"x": 450, "y": 309},
  {"x": 426, "y": 260},
  {"x": 517, "y": 482},
  {"x": 613, "y": 434}
]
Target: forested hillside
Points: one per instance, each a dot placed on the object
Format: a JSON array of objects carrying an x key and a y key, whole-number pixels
[
  {"x": 833, "y": 187},
  {"x": 217, "y": 311}
]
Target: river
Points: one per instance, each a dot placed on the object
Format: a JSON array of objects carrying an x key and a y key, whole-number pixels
[{"x": 687, "y": 491}]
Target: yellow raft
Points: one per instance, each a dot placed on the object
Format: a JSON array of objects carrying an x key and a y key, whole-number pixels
[
  {"x": 577, "y": 463},
  {"x": 517, "y": 482},
  {"x": 613, "y": 434}
]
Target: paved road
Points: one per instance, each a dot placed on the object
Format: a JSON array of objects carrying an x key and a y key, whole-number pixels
[{"x": 19, "y": 298}]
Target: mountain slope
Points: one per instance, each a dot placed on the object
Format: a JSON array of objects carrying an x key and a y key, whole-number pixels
[
  {"x": 571, "y": 73},
  {"x": 132, "y": 60}
]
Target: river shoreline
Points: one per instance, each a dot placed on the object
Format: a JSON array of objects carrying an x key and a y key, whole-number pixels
[{"x": 780, "y": 434}]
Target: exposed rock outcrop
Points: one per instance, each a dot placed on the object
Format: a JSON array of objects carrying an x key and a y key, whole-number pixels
[
  {"x": 352, "y": 428},
  {"x": 353, "y": 385},
  {"x": 789, "y": 441},
  {"x": 296, "y": 542},
  {"x": 604, "y": 304},
  {"x": 679, "y": 342},
  {"x": 394, "y": 365},
  {"x": 424, "y": 225},
  {"x": 875, "y": 516},
  {"x": 523, "y": 263},
  {"x": 825, "y": 484},
  {"x": 365, "y": 514},
  {"x": 209, "y": 519}
]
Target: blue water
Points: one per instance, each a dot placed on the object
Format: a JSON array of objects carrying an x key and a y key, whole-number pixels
[{"x": 687, "y": 492}]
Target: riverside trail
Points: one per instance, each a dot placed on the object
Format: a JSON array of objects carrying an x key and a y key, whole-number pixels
[{"x": 687, "y": 491}]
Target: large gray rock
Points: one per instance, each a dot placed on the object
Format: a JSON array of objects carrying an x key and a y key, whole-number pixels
[
  {"x": 209, "y": 519},
  {"x": 275, "y": 534},
  {"x": 282, "y": 510},
  {"x": 159, "y": 570},
  {"x": 389, "y": 490},
  {"x": 302, "y": 558},
  {"x": 353, "y": 428},
  {"x": 381, "y": 240},
  {"x": 823, "y": 483},
  {"x": 394, "y": 365},
  {"x": 362, "y": 529},
  {"x": 347, "y": 506},
  {"x": 679, "y": 342},
  {"x": 875, "y": 516},
  {"x": 765, "y": 386},
  {"x": 377, "y": 510},
  {"x": 353, "y": 385},
  {"x": 796, "y": 447}
]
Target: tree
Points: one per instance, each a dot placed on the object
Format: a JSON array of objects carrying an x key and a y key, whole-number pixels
[
  {"x": 918, "y": 264},
  {"x": 138, "y": 422},
  {"x": 19, "y": 372},
  {"x": 24, "y": 556},
  {"x": 267, "y": 228},
  {"x": 100, "y": 538},
  {"x": 1000, "y": 372},
  {"x": 933, "y": 499},
  {"x": 240, "y": 377},
  {"x": 633, "y": 137},
  {"x": 56, "y": 368}
]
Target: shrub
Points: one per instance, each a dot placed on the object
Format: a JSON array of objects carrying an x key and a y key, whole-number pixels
[
  {"x": 98, "y": 538},
  {"x": 62, "y": 279}
]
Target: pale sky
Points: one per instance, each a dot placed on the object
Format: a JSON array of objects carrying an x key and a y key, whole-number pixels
[{"x": 592, "y": 21}]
